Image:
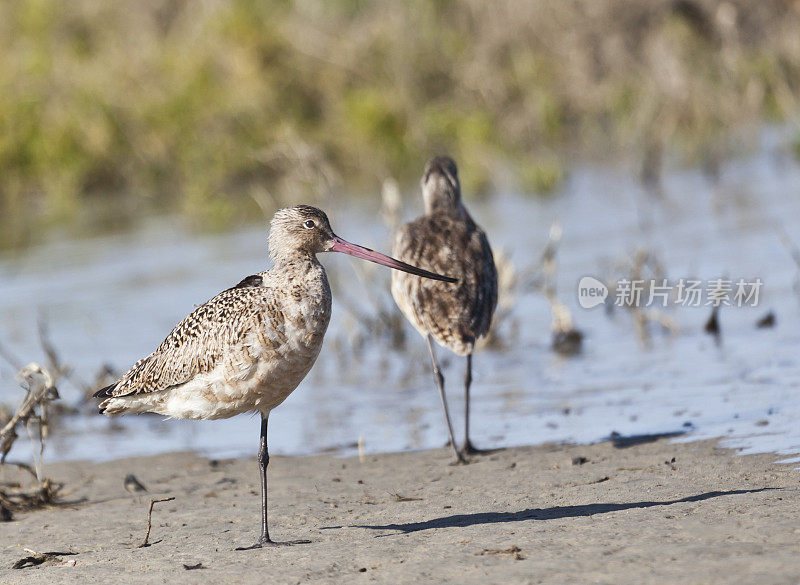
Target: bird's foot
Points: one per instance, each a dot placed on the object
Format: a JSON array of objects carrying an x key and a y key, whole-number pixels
[
  {"x": 469, "y": 449},
  {"x": 460, "y": 459},
  {"x": 268, "y": 542}
]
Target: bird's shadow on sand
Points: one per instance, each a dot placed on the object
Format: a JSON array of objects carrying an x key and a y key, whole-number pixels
[{"x": 554, "y": 513}]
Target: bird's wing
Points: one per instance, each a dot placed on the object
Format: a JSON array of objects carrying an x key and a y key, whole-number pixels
[
  {"x": 198, "y": 343},
  {"x": 485, "y": 300},
  {"x": 447, "y": 245}
]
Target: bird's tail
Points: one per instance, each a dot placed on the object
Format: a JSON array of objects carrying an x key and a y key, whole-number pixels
[{"x": 105, "y": 392}]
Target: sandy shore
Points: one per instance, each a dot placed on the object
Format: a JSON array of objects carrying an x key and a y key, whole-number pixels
[{"x": 653, "y": 512}]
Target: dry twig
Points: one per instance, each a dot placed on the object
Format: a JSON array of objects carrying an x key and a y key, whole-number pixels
[
  {"x": 401, "y": 498},
  {"x": 513, "y": 550},
  {"x": 644, "y": 268},
  {"x": 32, "y": 412},
  {"x": 36, "y": 558},
  {"x": 566, "y": 339},
  {"x": 146, "y": 542},
  {"x": 40, "y": 392},
  {"x": 16, "y": 497}
]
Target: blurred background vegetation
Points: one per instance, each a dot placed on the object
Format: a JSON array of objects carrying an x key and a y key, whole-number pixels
[{"x": 221, "y": 110}]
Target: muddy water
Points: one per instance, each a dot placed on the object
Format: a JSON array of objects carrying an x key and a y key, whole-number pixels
[{"x": 112, "y": 300}]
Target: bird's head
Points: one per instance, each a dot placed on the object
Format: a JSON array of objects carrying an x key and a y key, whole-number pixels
[
  {"x": 305, "y": 230},
  {"x": 440, "y": 187},
  {"x": 301, "y": 228}
]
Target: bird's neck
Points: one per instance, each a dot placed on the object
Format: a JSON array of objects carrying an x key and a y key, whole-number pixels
[
  {"x": 451, "y": 208},
  {"x": 296, "y": 261},
  {"x": 305, "y": 271}
]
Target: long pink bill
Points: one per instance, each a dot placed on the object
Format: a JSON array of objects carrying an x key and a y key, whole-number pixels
[{"x": 340, "y": 245}]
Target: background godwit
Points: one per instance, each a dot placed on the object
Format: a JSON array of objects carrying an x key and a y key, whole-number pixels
[
  {"x": 446, "y": 239},
  {"x": 249, "y": 347}
]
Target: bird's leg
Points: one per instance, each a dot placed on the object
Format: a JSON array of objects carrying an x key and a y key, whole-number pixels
[
  {"x": 263, "y": 463},
  {"x": 467, "y": 448},
  {"x": 437, "y": 375}
]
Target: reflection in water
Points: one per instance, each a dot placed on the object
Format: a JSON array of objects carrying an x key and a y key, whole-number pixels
[{"x": 114, "y": 299}]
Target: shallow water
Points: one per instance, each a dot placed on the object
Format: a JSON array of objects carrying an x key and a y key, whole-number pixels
[{"x": 112, "y": 300}]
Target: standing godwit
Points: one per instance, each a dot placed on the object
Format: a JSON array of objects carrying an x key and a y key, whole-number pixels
[
  {"x": 249, "y": 347},
  {"x": 446, "y": 239}
]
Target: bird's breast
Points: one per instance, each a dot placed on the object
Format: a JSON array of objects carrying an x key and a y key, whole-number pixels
[{"x": 287, "y": 344}]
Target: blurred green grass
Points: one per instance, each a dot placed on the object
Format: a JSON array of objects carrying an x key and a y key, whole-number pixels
[{"x": 220, "y": 111}]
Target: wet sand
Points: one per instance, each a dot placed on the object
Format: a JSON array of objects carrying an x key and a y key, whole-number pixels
[{"x": 652, "y": 512}]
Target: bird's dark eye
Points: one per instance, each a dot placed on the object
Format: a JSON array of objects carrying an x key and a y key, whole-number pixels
[{"x": 309, "y": 223}]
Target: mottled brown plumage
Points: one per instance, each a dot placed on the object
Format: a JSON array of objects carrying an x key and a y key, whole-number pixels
[
  {"x": 454, "y": 314},
  {"x": 250, "y": 346},
  {"x": 244, "y": 350},
  {"x": 447, "y": 239}
]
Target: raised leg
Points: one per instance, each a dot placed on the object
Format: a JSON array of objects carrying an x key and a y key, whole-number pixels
[
  {"x": 263, "y": 463},
  {"x": 439, "y": 378}
]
